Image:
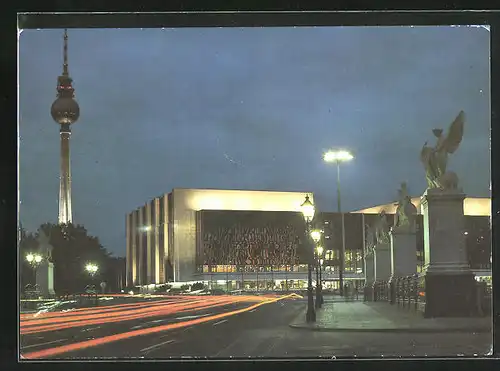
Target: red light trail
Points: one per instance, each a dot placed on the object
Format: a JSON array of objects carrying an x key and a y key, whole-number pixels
[
  {"x": 127, "y": 335},
  {"x": 127, "y": 312}
]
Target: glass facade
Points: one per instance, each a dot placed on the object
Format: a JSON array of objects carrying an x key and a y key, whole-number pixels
[
  {"x": 331, "y": 224},
  {"x": 251, "y": 240}
]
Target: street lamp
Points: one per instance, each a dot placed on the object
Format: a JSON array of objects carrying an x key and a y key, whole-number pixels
[
  {"x": 316, "y": 236},
  {"x": 339, "y": 156},
  {"x": 307, "y": 209},
  {"x": 319, "y": 251},
  {"x": 92, "y": 269},
  {"x": 34, "y": 260}
]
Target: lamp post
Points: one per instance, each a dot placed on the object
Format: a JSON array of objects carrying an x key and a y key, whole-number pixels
[
  {"x": 320, "y": 276},
  {"x": 34, "y": 260},
  {"x": 319, "y": 252},
  {"x": 339, "y": 156},
  {"x": 92, "y": 269},
  {"x": 316, "y": 236},
  {"x": 307, "y": 209}
]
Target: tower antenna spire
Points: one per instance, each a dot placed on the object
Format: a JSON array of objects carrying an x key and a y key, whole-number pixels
[{"x": 65, "y": 53}]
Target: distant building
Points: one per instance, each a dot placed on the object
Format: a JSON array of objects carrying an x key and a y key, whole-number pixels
[
  {"x": 477, "y": 211},
  {"x": 473, "y": 206},
  {"x": 236, "y": 239}
]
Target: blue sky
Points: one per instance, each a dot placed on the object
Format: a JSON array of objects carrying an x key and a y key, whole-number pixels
[{"x": 247, "y": 108}]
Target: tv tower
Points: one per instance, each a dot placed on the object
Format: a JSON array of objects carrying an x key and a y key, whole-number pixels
[{"x": 65, "y": 111}]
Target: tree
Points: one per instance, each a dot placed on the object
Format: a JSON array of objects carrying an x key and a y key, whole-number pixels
[
  {"x": 27, "y": 244},
  {"x": 73, "y": 248}
]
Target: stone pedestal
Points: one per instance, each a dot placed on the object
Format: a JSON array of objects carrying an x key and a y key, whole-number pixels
[
  {"x": 449, "y": 282},
  {"x": 403, "y": 256},
  {"x": 382, "y": 265},
  {"x": 369, "y": 275},
  {"x": 382, "y": 262},
  {"x": 403, "y": 252},
  {"x": 45, "y": 279}
]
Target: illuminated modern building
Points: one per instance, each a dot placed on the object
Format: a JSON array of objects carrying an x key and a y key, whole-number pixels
[
  {"x": 65, "y": 111},
  {"x": 171, "y": 238},
  {"x": 235, "y": 239}
]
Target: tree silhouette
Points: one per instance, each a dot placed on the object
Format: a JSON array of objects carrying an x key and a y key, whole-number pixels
[
  {"x": 27, "y": 244},
  {"x": 73, "y": 248}
]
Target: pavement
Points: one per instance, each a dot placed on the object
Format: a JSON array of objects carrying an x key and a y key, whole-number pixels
[
  {"x": 262, "y": 332},
  {"x": 358, "y": 316}
]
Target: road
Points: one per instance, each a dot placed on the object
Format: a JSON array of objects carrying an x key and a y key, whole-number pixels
[{"x": 262, "y": 331}]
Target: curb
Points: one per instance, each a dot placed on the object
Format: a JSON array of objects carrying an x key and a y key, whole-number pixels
[{"x": 389, "y": 330}]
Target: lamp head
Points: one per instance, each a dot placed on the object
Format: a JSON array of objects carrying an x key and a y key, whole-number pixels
[
  {"x": 38, "y": 258},
  {"x": 337, "y": 155},
  {"x": 319, "y": 250},
  {"x": 307, "y": 209},
  {"x": 91, "y": 268},
  {"x": 30, "y": 257},
  {"x": 316, "y": 235}
]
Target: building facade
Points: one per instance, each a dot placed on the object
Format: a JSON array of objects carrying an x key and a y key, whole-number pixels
[
  {"x": 234, "y": 239},
  {"x": 164, "y": 235}
]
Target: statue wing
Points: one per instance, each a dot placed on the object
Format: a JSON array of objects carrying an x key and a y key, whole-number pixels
[
  {"x": 425, "y": 154},
  {"x": 455, "y": 134}
]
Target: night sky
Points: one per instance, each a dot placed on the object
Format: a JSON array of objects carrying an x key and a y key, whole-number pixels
[{"x": 247, "y": 108}]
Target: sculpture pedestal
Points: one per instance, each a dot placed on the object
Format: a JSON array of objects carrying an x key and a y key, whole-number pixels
[
  {"x": 403, "y": 256},
  {"x": 449, "y": 282},
  {"x": 369, "y": 276},
  {"x": 45, "y": 279},
  {"x": 382, "y": 262}
]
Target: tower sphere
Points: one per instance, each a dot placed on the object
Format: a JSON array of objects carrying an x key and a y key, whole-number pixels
[{"x": 65, "y": 110}]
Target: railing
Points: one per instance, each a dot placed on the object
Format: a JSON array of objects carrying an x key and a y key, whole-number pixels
[
  {"x": 406, "y": 292},
  {"x": 409, "y": 292},
  {"x": 30, "y": 292},
  {"x": 381, "y": 291}
]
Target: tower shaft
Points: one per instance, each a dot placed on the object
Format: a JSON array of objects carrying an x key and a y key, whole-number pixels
[
  {"x": 65, "y": 111},
  {"x": 65, "y": 212}
]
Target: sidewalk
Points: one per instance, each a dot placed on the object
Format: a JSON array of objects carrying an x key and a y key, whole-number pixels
[{"x": 358, "y": 316}]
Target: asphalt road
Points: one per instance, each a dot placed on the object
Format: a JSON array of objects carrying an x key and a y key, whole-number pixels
[
  {"x": 262, "y": 332},
  {"x": 44, "y": 340}
]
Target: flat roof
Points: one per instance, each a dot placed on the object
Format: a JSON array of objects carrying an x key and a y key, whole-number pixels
[{"x": 473, "y": 206}]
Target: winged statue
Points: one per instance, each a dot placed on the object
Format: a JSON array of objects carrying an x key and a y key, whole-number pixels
[
  {"x": 406, "y": 212},
  {"x": 382, "y": 228},
  {"x": 435, "y": 158},
  {"x": 370, "y": 239}
]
